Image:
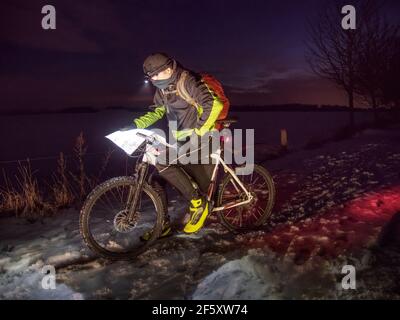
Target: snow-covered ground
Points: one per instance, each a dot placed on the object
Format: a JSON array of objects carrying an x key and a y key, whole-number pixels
[{"x": 332, "y": 204}]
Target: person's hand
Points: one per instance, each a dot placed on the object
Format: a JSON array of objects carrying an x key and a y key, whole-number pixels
[{"x": 126, "y": 128}]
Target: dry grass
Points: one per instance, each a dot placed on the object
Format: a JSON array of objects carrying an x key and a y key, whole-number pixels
[
  {"x": 79, "y": 177},
  {"x": 62, "y": 194},
  {"x": 26, "y": 199},
  {"x": 68, "y": 187},
  {"x": 106, "y": 159},
  {"x": 11, "y": 200}
]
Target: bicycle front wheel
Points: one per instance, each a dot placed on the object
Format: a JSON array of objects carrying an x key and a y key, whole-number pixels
[
  {"x": 104, "y": 223},
  {"x": 249, "y": 216}
]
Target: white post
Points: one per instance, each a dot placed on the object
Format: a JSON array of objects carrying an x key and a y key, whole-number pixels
[{"x": 284, "y": 138}]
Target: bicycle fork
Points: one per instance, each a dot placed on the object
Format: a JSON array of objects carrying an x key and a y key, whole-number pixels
[{"x": 135, "y": 191}]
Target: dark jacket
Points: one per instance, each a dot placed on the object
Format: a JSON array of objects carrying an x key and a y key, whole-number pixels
[{"x": 187, "y": 116}]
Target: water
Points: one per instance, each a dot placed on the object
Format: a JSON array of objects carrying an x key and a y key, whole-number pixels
[{"x": 32, "y": 136}]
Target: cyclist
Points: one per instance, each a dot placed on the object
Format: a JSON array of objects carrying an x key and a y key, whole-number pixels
[{"x": 164, "y": 73}]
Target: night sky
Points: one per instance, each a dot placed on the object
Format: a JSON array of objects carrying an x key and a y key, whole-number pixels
[{"x": 94, "y": 57}]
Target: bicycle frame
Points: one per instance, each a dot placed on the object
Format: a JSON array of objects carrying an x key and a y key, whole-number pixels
[
  {"x": 149, "y": 157},
  {"x": 217, "y": 156}
]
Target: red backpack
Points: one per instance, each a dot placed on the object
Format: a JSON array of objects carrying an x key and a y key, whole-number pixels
[{"x": 214, "y": 85}]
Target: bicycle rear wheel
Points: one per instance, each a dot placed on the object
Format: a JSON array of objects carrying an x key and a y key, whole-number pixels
[
  {"x": 103, "y": 220},
  {"x": 261, "y": 185}
]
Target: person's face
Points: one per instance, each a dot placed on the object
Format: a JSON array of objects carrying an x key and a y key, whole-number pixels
[{"x": 163, "y": 75}]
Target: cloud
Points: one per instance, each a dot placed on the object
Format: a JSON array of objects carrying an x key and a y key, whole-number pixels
[
  {"x": 299, "y": 88},
  {"x": 82, "y": 26}
]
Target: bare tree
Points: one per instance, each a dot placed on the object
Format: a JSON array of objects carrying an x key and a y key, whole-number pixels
[
  {"x": 332, "y": 50},
  {"x": 365, "y": 61},
  {"x": 391, "y": 76},
  {"x": 375, "y": 54}
]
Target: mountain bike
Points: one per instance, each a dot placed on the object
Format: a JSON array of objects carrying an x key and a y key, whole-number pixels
[{"x": 118, "y": 211}]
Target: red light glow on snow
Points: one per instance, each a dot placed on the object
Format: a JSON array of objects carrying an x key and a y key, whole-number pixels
[{"x": 355, "y": 225}]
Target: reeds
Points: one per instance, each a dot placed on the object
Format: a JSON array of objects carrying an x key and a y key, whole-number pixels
[
  {"x": 68, "y": 186},
  {"x": 25, "y": 199}
]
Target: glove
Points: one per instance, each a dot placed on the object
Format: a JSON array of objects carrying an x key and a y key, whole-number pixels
[{"x": 130, "y": 127}]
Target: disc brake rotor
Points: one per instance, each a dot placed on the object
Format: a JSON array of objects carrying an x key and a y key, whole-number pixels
[{"x": 122, "y": 223}]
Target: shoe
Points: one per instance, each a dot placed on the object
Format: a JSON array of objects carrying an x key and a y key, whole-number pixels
[
  {"x": 198, "y": 214},
  {"x": 166, "y": 231}
]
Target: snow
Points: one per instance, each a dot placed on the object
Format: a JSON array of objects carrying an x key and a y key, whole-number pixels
[
  {"x": 27, "y": 251},
  {"x": 325, "y": 217},
  {"x": 237, "y": 279},
  {"x": 260, "y": 275}
]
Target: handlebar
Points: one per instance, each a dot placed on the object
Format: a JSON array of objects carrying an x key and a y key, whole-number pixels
[
  {"x": 154, "y": 138},
  {"x": 146, "y": 137}
]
